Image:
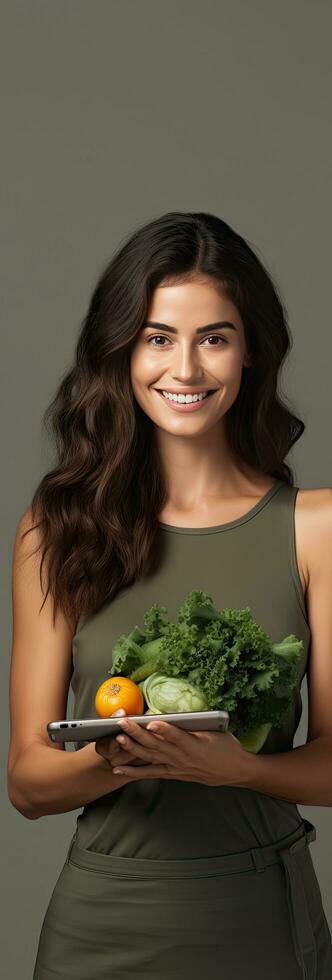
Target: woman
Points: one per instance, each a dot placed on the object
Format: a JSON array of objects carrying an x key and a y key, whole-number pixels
[{"x": 193, "y": 859}]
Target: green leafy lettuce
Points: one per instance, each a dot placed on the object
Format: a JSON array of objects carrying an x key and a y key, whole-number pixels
[{"x": 221, "y": 659}]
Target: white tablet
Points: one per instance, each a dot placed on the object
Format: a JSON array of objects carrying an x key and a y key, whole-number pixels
[{"x": 89, "y": 729}]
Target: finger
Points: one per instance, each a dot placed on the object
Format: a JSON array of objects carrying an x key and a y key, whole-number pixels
[
  {"x": 126, "y": 758},
  {"x": 121, "y": 756},
  {"x": 109, "y": 739},
  {"x": 112, "y": 751},
  {"x": 145, "y": 772},
  {"x": 160, "y": 772},
  {"x": 150, "y": 752},
  {"x": 104, "y": 744},
  {"x": 102, "y": 752},
  {"x": 115, "y": 754},
  {"x": 171, "y": 733},
  {"x": 138, "y": 732},
  {"x": 136, "y": 735},
  {"x": 107, "y": 747}
]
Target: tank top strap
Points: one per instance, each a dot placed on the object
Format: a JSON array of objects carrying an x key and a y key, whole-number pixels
[{"x": 279, "y": 524}]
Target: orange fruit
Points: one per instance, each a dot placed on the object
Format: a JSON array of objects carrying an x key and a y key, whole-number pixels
[{"x": 119, "y": 692}]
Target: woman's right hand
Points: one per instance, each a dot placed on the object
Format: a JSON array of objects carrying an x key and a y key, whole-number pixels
[{"x": 110, "y": 750}]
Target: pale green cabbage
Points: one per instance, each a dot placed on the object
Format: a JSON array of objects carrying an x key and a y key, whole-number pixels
[{"x": 165, "y": 695}]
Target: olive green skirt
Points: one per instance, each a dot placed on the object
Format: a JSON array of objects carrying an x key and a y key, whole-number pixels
[{"x": 257, "y": 913}]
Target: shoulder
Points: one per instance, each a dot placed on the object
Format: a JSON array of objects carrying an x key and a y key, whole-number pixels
[
  {"x": 315, "y": 512},
  {"x": 313, "y": 518},
  {"x": 27, "y": 539},
  {"x": 316, "y": 506}
]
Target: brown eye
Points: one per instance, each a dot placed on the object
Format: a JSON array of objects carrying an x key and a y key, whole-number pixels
[
  {"x": 159, "y": 335},
  {"x": 216, "y": 336}
]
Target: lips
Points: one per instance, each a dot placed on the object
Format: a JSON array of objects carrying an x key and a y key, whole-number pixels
[
  {"x": 202, "y": 391},
  {"x": 183, "y": 407}
]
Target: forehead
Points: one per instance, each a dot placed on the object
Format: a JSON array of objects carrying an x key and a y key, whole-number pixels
[{"x": 192, "y": 304}]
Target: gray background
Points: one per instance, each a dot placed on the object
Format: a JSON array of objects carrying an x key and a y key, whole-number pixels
[{"x": 116, "y": 112}]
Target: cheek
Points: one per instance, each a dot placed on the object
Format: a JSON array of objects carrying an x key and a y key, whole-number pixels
[
  {"x": 141, "y": 380},
  {"x": 142, "y": 368},
  {"x": 137, "y": 374},
  {"x": 231, "y": 369}
]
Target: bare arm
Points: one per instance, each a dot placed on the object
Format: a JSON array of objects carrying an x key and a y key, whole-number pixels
[
  {"x": 304, "y": 774},
  {"x": 45, "y": 782},
  {"x": 42, "y": 777}
]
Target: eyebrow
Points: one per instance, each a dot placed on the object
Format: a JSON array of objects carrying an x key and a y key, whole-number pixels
[{"x": 209, "y": 326}]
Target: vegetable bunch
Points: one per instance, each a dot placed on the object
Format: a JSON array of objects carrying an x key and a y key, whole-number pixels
[{"x": 211, "y": 659}]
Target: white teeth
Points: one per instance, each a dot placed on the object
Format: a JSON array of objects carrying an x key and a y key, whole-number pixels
[{"x": 185, "y": 398}]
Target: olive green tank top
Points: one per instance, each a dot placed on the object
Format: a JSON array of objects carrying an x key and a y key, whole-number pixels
[{"x": 251, "y": 562}]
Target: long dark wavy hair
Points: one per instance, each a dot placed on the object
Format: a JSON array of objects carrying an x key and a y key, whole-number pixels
[{"x": 98, "y": 507}]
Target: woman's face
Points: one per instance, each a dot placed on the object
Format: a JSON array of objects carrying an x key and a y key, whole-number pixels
[{"x": 188, "y": 350}]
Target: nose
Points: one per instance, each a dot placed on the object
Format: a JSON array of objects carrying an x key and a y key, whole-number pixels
[{"x": 184, "y": 365}]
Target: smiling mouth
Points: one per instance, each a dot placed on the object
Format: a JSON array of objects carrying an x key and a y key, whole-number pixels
[
  {"x": 207, "y": 393},
  {"x": 186, "y": 407}
]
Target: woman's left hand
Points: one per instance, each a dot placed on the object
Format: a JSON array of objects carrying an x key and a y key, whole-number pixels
[{"x": 212, "y": 758}]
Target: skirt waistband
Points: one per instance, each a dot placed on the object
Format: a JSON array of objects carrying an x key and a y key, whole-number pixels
[{"x": 257, "y": 858}]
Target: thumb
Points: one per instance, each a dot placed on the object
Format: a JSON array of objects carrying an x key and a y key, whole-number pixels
[{"x": 120, "y": 711}]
